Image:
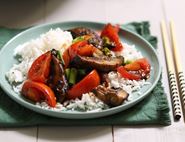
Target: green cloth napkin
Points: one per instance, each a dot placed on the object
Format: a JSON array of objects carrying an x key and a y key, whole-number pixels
[{"x": 154, "y": 109}]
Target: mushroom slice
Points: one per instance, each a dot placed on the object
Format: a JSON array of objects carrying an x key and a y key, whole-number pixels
[
  {"x": 57, "y": 80},
  {"x": 109, "y": 96},
  {"x": 103, "y": 63},
  {"x": 94, "y": 37}
]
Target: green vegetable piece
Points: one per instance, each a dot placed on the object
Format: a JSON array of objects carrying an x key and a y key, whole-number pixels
[
  {"x": 81, "y": 72},
  {"x": 106, "y": 40},
  {"x": 107, "y": 43},
  {"x": 72, "y": 76},
  {"x": 127, "y": 62},
  {"x": 106, "y": 51},
  {"x": 59, "y": 56},
  {"x": 67, "y": 73},
  {"x": 80, "y": 38}
]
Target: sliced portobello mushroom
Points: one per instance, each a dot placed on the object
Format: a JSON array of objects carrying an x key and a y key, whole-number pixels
[
  {"x": 110, "y": 96},
  {"x": 105, "y": 81},
  {"x": 103, "y": 63},
  {"x": 57, "y": 80},
  {"x": 94, "y": 37}
]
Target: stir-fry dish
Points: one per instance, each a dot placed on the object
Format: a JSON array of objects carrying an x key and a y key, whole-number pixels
[{"x": 79, "y": 69}]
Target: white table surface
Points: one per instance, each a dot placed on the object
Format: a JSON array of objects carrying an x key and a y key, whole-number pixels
[{"x": 24, "y": 13}]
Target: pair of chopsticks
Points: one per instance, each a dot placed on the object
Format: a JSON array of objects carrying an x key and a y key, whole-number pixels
[{"x": 174, "y": 70}]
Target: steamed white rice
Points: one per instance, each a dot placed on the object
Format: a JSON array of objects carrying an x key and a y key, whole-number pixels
[
  {"x": 29, "y": 51},
  {"x": 61, "y": 40},
  {"x": 88, "y": 103},
  {"x": 130, "y": 53},
  {"x": 128, "y": 85}
]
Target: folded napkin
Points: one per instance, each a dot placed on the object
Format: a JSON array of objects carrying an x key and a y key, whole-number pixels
[{"x": 154, "y": 109}]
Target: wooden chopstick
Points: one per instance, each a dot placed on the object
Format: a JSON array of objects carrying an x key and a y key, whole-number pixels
[
  {"x": 171, "y": 74},
  {"x": 180, "y": 74}
]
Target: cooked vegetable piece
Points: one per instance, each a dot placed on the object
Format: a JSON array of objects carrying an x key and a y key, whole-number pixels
[
  {"x": 106, "y": 51},
  {"x": 77, "y": 39},
  {"x": 105, "y": 81},
  {"x": 88, "y": 83},
  {"x": 37, "y": 91},
  {"x": 59, "y": 57},
  {"x": 93, "y": 39},
  {"x": 40, "y": 68},
  {"x": 132, "y": 66},
  {"x": 66, "y": 58},
  {"x": 57, "y": 79},
  {"x": 81, "y": 72},
  {"x": 103, "y": 63},
  {"x": 97, "y": 53},
  {"x": 81, "y": 31},
  {"x": 111, "y": 32},
  {"x": 82, "y": 38},
  {"x": 144, "y": 63},
  {"x": 109, "y": 96},
  {"x": 86, "y": 50},
  {"x": 107, "y": 43},
  {"x": 67, "y": 73},
  {"x": 125, "y": 74},
  {"x": 72, "y": 76},
  {"x": 127, "y": 62},
  {"x": 140, "y": 66},
  {"x": 81, "y": 48}
]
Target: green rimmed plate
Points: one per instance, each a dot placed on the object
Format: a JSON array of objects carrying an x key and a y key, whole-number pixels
[{"x": 7, "y": 60}]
